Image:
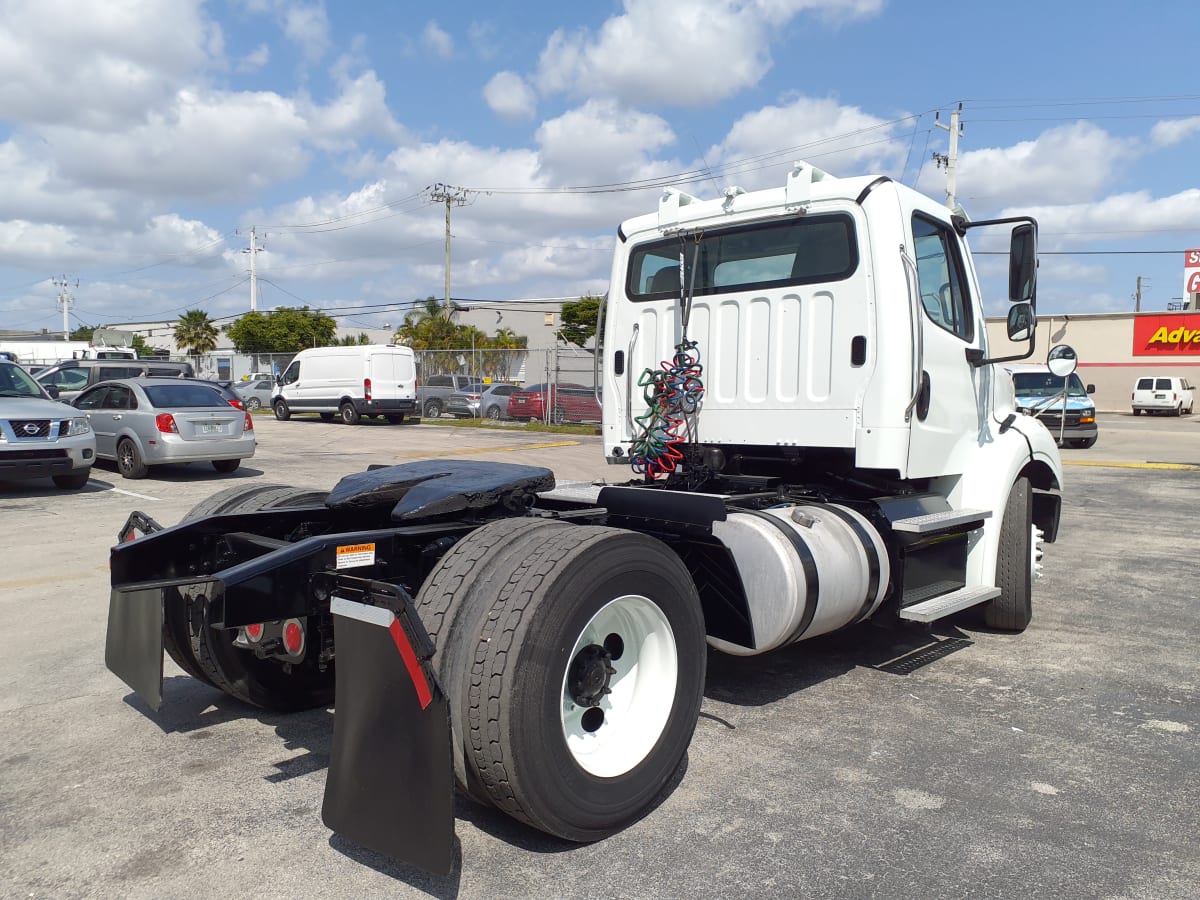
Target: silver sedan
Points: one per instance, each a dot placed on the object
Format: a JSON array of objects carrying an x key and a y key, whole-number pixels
[{"x": 143, "y": 422}]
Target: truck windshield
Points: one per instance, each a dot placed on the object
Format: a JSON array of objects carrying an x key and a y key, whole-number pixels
[
  {"x": 1039, "y": 384},
  {"x": 754, "y": 257}
]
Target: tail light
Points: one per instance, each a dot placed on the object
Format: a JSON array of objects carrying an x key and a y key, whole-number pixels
[
  {"x": 254, "y": 632},
  {"x": 293, "y": 637},
  {"x": 367, "y": 389},
  {"x": 248, "y": 425},
  {"x": 165, "y": 422},
  {"x": 236, "y": 404}
]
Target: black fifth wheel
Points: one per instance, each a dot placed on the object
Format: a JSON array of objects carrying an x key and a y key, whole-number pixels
[{"x": 584, "y": 683}]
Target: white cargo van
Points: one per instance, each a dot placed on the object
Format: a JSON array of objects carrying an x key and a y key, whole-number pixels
[{"x": 351, "y": 382}]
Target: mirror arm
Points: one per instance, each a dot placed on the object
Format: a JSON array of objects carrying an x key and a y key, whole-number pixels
[{"x": 975, "y": 356}]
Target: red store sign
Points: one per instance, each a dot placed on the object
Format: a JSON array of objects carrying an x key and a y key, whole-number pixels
[{"x": 1175, "y": 334}]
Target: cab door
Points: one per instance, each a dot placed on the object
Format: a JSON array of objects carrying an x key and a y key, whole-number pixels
[{"x": 949, "y": 417}]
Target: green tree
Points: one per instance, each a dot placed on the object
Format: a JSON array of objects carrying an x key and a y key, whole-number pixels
[
  {"x": 351, "y": 340},
  {"x": 431, "y": 326},
  {"x": 196, "y": 333},
  {"x": 283, "y": 330},
  {"x": 83, "y": 333},
  {"x": 579, "y": 320}
]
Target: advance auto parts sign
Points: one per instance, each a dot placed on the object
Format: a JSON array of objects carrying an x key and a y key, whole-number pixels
[{"x": 1167, "y": 335}]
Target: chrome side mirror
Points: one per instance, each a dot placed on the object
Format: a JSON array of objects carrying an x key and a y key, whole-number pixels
[{"x": 1061, "y": 360}]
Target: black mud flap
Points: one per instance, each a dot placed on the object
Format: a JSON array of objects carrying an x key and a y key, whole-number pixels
[
  {"x": 390, "y": 786},
  {"x": 133, "y": 647}
]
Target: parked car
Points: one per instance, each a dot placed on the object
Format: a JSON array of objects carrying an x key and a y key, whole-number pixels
[
  {"x": 1039, "y": 393},
  {"x": 555, "y": 403},
  {"x": 224, "y": 390},
  {"x": 71, "y": 376},
  {"x": 1157, "y": 393},
  {"x": 40, "y": 438},
  {"x": 488, "y": 401},
  {"x": 434, "y": 391},
  {"x": 143, "y": 422},
  {"x": 256, "y": 393}
]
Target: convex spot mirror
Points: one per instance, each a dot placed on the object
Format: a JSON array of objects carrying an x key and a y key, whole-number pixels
[
  {"x": 1061, "y": 360},
  {"x": 1022, "y": 264},
  {"x": 1021, "y": 322}
]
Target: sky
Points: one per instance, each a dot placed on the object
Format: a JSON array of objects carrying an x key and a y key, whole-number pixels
[{"x": 142, "y": 140}]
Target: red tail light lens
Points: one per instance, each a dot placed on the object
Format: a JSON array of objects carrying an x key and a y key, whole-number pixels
[
  {"x": 236, "y": 404},
  {"x": 248, "y": 425},
  {"x": 166, "y": 423},
  {"x": 366, "y": 388}
]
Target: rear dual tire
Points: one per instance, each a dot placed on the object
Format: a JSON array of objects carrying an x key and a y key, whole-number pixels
[
  {"x": 574, "y": 678},
  {"x": 209, "y": 655}
]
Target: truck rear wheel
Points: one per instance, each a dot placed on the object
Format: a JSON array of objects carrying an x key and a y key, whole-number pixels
[
  {"x": 208, "y": 653},
  {"x": 586, "y": 682},
  {"x": 349, "y": 414},
  {"x": 1015, "y": 563},
  {"x": 450, "y": 602}
]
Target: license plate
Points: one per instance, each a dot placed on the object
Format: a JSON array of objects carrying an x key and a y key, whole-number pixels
[
  {"x": 520, "y": 401},
  {"x": 1160, "y": 396},
  {"x": 210, "y": 428}
]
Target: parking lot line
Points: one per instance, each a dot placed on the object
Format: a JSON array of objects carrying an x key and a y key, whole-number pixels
[
  {"x": 127, "y": 493},
  {"x": 465, "y": 451},
  {"x": 1098, "y": 463}
]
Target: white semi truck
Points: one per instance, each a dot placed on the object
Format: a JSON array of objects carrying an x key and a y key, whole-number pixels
[{"x": 819, "y": 435}]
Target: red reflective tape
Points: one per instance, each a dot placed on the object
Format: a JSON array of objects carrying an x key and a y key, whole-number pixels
[{"x": 424, "y": 695}]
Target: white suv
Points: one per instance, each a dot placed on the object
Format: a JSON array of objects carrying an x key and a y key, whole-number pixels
[
  {"x": 1156, "y": 393},
  {"x": 38, "y": 437}
]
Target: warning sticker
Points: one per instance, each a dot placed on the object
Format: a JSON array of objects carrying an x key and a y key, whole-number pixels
[{"x": 353, "y": 555}]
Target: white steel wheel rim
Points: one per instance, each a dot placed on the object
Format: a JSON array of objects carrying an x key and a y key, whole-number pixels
[
  {"x": 1037, "y": 539},
  {"x": 641, "y": 688}
]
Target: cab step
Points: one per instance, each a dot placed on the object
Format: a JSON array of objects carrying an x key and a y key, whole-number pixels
[
  {"x": 941, "y": 521},
  {"x": 948, "y": 604}
]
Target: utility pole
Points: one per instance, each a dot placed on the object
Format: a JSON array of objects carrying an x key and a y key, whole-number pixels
[
  {"x": 444, "y": 193},
  {"x": 1137, "y": 296},
  {"x": 949, "y": 161},
  {"x": 253, "y": 251},
  {"x": 65, "y": 299}
]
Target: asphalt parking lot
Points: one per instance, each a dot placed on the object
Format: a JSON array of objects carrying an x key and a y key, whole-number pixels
[{"x": 947, "y": 763}]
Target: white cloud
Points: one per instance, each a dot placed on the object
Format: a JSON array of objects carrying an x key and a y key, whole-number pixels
[
  {"x": 308, "y": 27},
  {"x": 255, "y": 59},
  {"x": 97, "y": 64},
  {"x": 600, "y": 142},
  {"x": 680, "y": 52},
  {"x": 843, "y": 140},
  {"x": 509, "y": 97},
  {"x": 1174, "y": 131},
  {"x": 1067, "y": 164},
  {"x": 1120, "y": 215},
  {"x": 437, "y": 41}
]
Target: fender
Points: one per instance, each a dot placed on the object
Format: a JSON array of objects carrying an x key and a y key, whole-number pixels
[{"x": 1026, "y": 447}]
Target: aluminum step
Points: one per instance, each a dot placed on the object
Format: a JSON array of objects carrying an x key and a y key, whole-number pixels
[
  {"x": 947, "y": 604},
  {"x": 940, "y": 521}
]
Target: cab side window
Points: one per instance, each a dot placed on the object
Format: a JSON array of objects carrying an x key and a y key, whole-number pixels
[
  {"x": 940, "y": 277},
  {"x": 292, "y": 375}
]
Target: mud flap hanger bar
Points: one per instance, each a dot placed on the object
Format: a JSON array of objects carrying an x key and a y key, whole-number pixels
[{"x": 391, "y": 783}]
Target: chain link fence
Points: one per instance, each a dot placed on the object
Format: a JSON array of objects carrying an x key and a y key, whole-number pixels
[{"x": 561, "y": 365}]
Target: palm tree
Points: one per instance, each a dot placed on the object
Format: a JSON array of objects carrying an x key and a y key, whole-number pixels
[{"x": 196, "y": 333}]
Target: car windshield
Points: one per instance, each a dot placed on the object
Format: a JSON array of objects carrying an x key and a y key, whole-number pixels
[
  {"x": 16, "y": 382},
  {"x": 180, "y": 396},
  {"x": 1043, "y": 384}
]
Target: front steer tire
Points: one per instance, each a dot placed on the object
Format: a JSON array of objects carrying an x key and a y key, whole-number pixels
[
  {"x": 1013, "y": 609},
  {"x": 584, "y": 770}
]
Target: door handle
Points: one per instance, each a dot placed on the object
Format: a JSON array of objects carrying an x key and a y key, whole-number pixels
[{"x": 116, "y": 417}]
